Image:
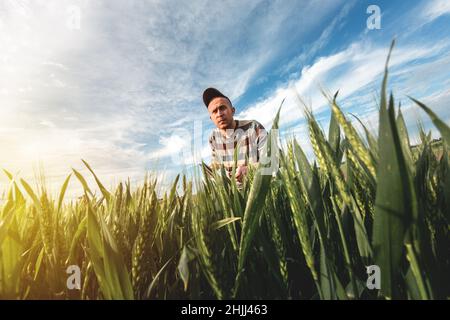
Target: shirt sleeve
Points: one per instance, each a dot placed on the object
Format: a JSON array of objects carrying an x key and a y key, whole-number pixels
[
  {"x": 214, "y": 159},
  {"x": 261, "y": 139}
]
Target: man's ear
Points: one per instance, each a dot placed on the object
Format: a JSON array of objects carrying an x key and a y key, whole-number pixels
[{"x": 233, "y": 110}]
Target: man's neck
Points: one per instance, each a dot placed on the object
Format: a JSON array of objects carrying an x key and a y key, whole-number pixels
[{"x": 233, "y": 127}]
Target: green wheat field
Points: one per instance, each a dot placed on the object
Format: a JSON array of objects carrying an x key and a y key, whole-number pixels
[{"x": 309, "y": 231}]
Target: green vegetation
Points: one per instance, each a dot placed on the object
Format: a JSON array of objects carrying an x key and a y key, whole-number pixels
[{"x": 307, "y": 232}]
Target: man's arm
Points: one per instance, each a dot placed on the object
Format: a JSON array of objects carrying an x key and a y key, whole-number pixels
[
  {"x": 215, "y": 164},
  {"x": 260, "y": 136},
  {"x": 261, "y": 140}
]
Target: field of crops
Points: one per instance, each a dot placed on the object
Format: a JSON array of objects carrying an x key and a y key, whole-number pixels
[{"x": 307, "y": 232}]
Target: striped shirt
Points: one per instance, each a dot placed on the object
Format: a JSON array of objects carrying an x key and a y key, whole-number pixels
[{"x": 247, "y": 140}]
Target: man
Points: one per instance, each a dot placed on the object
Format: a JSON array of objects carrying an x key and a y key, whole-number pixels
[{"x": 234, "y": 143}]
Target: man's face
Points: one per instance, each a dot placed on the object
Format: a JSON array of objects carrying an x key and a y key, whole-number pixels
[{"x": 221, "y": 113}]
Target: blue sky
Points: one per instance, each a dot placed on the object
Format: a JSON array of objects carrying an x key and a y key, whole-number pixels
[{"x": 119, "y": 83}]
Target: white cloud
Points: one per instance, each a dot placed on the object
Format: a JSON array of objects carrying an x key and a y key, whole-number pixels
[
  {"x": 434, "y": 9},
  {"x": 173, "y": 146},
  {"x": 115, "y": 91},
  {"x": 322, "y": 41},
  {"x": 359, "y": 65}
]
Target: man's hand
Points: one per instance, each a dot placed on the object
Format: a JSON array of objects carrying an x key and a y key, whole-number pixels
[{"x": 241, "y": 172}]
